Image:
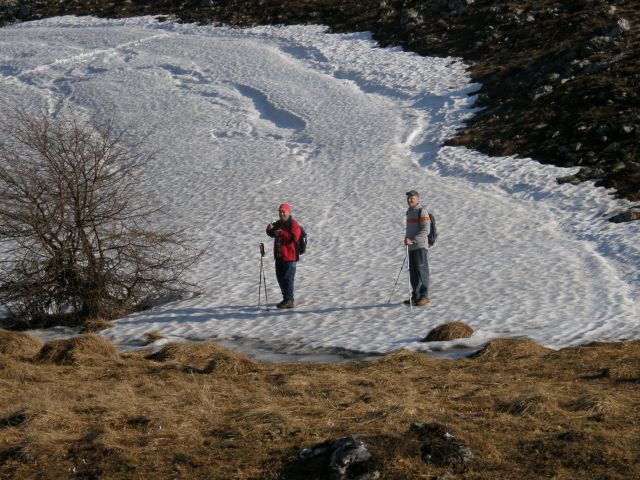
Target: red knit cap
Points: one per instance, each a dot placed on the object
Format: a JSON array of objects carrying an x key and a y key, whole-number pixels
[{"x": 285, "y": 207}]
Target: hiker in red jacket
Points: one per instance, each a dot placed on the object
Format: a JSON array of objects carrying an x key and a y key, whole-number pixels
[{"x": 286, "y": 233}]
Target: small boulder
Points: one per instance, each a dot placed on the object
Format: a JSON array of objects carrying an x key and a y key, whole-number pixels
[
  {"x": 344, "y": 459},
  {"x": 627, "y": 216}
]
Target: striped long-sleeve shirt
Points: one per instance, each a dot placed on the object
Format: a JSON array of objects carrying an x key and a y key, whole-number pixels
[{"x": 418, "y": 227}]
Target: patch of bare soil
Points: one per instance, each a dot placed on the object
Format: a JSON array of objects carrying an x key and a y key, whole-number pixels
[
  {"x": 204, "y": 412},
  {"x": 560, "y": 79}
]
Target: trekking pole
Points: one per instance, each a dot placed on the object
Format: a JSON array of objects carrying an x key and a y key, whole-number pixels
[
  {"x": 263, "y": 280},
  {"x": 260, "y": 276},
  {"x": 410, "y": 287},
  {"x": 398, "y": 277}
]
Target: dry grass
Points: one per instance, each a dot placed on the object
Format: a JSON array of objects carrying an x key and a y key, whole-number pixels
[
  {"x": 151, "y": 337},
  {"x": 595, "y": 403},
  {"x": 534, "y": 403},
  {"x": 19, "y": 344},
  {"x": 95, "y": 325},
  {"x": 449, "y": 331},
  {"x": 86, "y": 349},
  {"x": 511, "y": 349},
  {"x": 205, "y": 412},
  {"x": 207, "y": 358}
]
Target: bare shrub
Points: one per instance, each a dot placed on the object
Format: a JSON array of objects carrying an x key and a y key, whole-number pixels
[
  {"x": 86, "y": 350},
  {"x": 81, "y": 233}
]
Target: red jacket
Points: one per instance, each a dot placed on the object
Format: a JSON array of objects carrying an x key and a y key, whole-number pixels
[{"x": 286, "y": 236}]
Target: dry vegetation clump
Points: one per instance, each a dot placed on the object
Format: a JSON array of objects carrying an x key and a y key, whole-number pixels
[
  {"x": 151, "y": 337},
  {"x": 449, "y": 331},
  {"x": 595, "y": 403},
  {"x": 95, "y": 325},
  {"x": 405, "y": 358},
  {"x": 11, "y": 369},
  {"x": 510, "y": 349},
  {"x": 19, "y": 344},
  {"x": 84, "y": 350},
  {"x": 203, "y": 358},
  {"x": 534, "y": 403}
]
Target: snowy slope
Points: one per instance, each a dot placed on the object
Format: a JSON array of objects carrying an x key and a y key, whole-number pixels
[{"x": 248, "y": 119}]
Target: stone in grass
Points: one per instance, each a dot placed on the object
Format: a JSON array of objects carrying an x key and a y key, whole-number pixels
[
  {"x": 449, "y": 331},
  {"x": 346, "y": 458}
]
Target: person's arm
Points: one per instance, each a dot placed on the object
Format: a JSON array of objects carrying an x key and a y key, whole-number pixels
[{"x": 272, "y": 229}]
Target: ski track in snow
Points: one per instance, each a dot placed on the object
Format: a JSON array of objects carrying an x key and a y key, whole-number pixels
[{"x": 247, "y": 119}]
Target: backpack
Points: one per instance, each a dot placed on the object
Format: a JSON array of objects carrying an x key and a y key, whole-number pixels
[
  {"x": 432, "y": 238},
  {"x": 302, "y": 241}
]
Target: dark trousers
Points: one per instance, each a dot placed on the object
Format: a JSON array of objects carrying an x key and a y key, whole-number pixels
[
  {"x": 419, "y": 272},
  {"x": 286, "y": 275}
]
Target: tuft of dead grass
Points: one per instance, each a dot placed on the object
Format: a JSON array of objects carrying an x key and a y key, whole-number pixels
[
  {"x": 151, "y": 337},
  {"x": 18, "y": 344},
  {"x": 595, "y": 403},
  {"x": 449, "y": 331},
  {"x": 203, "y": 358},
  {"x": 95, "y": 325},
  {"x": 11, "y": 369},
  {"x": 83, "y": 350},
  {"x": 511, "y": 349},
  {"x": 529, "y": 404}
]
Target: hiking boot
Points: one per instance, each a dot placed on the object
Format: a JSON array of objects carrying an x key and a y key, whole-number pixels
[
  {"x": 286, "y": 304},
  {"x": 422, "y": 302},
  {"x": 413, "y": 300}
]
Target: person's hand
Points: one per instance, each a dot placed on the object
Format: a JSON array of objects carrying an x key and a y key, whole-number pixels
[
  {"x": 270, "y": 226},
  {"x": 408, "y": 241}
]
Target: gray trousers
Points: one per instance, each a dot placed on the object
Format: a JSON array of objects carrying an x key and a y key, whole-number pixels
[{"x": 419, "y": 272}]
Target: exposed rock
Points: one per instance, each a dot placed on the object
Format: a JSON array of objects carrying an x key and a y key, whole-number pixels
[
  {"x": 344, "y": 459},
  {"x": 627, "y": 216}
]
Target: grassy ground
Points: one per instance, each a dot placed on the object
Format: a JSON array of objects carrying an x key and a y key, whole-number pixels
[{"x": 77, "y": 409}]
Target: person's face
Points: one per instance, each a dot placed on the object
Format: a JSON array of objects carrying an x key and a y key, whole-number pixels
[
  {"x": 284, "y": 215},
  {"x": 413, "y": 201}
]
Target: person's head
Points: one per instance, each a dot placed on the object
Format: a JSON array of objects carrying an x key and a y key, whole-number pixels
[
  {"x": 284, "y": 212},
  {"x": 413, "y": 199}
]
